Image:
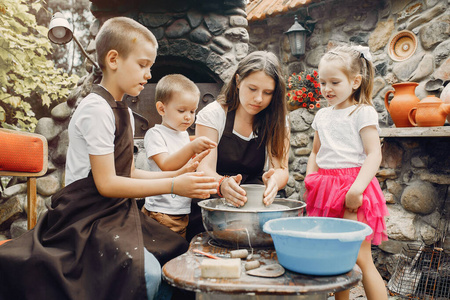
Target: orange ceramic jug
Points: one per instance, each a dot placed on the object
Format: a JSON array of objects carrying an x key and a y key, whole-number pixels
[
  {"x": 431, "y": 111},
  {"x": 400, "y": 106}
]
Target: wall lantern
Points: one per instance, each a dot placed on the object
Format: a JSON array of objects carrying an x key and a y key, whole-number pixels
[
  {"x": 60, "y": 32},
  {"x": 297, "y": 38}
]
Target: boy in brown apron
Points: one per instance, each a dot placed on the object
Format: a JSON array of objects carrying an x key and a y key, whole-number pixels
[{"x": 93, "y": 243}]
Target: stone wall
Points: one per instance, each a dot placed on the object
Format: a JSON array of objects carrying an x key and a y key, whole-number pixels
[
  {"x": 415, "y": 172},
  {"x": 212, "y": 34}
]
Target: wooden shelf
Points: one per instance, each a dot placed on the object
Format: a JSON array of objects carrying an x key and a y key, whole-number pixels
[{"x": 440, "y": 131}]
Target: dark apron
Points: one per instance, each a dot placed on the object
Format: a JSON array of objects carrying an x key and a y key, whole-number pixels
[
  {"x": 234, "y": 156},
  {"x": 88, "y": 246}
]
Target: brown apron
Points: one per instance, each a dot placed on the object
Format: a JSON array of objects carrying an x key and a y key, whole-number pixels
[
  {"x": 88, "y": 246},
  {"x": 234, "y": 156}
]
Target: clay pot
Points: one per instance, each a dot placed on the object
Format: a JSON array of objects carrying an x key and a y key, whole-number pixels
[
  {"x": 255, "y": 195},
  {"x": 445, "y": 97},
  {"x": 400, "y": 106},
  {"x": 431, "y": 111}
]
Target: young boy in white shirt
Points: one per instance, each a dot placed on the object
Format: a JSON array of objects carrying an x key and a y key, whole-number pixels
[{"x": 168, "y": 147}]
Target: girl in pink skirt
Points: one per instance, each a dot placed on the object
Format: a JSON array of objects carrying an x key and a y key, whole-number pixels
[{"x": 346, "y": 155}]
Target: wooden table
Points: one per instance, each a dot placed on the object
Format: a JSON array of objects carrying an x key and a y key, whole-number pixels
[{"x": 184, "y": 272}]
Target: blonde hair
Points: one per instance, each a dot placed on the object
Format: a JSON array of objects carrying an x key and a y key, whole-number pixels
[
  {"x": 173, "y": 83},
  {"x": 354, "y": 63},
  {"x": 120, "y": 34}
]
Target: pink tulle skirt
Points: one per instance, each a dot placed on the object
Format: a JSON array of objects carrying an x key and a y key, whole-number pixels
[{"x": 325, "y": 197}]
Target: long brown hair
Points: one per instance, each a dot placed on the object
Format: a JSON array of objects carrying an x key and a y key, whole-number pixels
[{"x": 270, "y": 123}]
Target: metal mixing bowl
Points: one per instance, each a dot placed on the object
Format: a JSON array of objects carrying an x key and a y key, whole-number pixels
[{"x": 232, "y": 227}]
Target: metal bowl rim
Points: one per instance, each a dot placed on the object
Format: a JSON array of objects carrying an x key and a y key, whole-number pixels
[{"x": 203, "y": 205}]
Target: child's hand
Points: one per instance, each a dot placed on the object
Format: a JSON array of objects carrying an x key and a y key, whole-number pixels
[
  {"x": 271, "y": 187},
  {"x": 192, "y": 165},
  {"x": 201, "y": 144},
  {"x": 195, "y": 185},
  {"x": 353, "y": 201}
]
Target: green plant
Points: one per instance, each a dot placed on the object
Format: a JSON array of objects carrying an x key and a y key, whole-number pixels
[
  {"x": 26, "y": 75},
  {"x": 303, "y": 90}
]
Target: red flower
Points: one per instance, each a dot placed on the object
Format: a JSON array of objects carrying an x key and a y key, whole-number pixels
[{"x": 303, "y": 89}]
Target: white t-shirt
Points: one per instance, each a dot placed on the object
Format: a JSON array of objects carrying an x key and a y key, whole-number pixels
[
  {"x": 214, "y": 116},
  {"x": 91, "y": 132},
  {"x": 340, "y": 143},
  {"x": 161, "y": 139}
]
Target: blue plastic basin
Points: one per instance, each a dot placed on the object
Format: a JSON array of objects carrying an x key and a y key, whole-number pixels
[{"x": 315, "y": 245}]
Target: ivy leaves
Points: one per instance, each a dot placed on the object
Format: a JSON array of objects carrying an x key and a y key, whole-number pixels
[{"x": 25, "y": 71}]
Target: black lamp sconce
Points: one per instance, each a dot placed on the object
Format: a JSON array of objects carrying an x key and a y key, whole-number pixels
[{"x": 297, "y": 36}]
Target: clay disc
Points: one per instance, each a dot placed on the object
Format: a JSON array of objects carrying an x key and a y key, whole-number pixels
[{"x": 274, "y": 270}]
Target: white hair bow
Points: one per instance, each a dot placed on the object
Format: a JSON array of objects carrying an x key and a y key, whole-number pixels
[{"x": 365, "y": 52}]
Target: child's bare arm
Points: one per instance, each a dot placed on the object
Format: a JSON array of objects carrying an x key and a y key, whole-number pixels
[
  {"x": 178, "y": 159},
  {"x": 202, "y": 143},
  {"x": 312, "y": 166},
  {"x": 372, "y": 147},
  {"x": 193, "y": 185}
]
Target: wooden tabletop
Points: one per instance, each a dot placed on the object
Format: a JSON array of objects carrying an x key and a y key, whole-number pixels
[{"x": 184, "y": 272}]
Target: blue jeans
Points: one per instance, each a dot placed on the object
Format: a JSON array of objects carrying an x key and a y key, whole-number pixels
[{"x": 156, "y": 288}]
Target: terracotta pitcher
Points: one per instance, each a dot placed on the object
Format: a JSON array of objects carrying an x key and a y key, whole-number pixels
[
  {"x": 431, "y": 111},
  {"x": 404, "y": 99}
]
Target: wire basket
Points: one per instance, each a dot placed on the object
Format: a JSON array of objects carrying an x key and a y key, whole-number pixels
[{"x": 422, "y": 272}]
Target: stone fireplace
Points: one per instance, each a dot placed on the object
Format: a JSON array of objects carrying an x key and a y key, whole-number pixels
[{"x": 203, "y": 40}]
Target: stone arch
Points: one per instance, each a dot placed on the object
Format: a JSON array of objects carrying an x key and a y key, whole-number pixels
[
  {"x": 220, "y": 64},
  {"x": 208, "y": 81}
]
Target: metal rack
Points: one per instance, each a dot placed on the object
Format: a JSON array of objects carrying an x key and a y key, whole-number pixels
[{"x": 422, "y": 272}]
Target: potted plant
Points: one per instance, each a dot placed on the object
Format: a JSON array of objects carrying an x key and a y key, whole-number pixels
[{"x": 303, "y": 90}]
